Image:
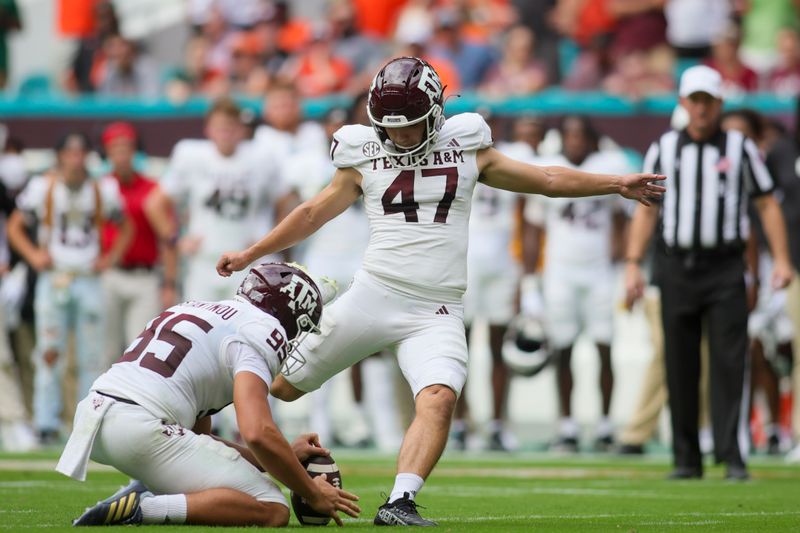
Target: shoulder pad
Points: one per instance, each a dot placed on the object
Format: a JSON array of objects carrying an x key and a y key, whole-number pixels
[
  {"x": 259, "y": 335},
  {"x": 555, "y": 160},
  {"x": 189, "y": 148},
  {"x": 469, "y": 130},
  {"x": 33, "y": 194},
  {"x": 517, "y": 150},
  {"x": 353, "y": 145}
]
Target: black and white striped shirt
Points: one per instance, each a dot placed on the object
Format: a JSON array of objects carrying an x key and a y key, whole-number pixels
[{"x": 708, "y": 184}]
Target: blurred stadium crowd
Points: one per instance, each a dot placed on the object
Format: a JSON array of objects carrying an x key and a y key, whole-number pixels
[
  {"x": 497, "y": 47},
  {"x": 157, "y": 227}
]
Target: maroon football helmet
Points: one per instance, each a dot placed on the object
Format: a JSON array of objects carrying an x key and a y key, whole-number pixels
[
  {"x": 406, "y": 91},
  {"x": 286, "y": 293}
]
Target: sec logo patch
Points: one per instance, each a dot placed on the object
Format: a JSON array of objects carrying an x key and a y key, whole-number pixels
[{"x": 370, "y": 149}]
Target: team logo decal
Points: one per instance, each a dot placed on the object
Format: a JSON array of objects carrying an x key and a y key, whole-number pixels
[
  {"x": 302, "y": 296},
  {"x": 370, "y": 149},
  {"x": 429, "y": 83}
]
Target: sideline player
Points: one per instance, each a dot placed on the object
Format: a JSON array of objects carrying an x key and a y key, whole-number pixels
[
  {"x": 68, "y": 209},
  {"x": 417, "y": 173},
  {"x": 223, "y": 185},
  {"x": 578, "y": 277},
  {"x": 149, "y": 414},
  {"x": 493, "y": 285}
]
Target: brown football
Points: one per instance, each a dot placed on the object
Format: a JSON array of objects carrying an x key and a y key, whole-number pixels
[{"x": 315, "y": 466}]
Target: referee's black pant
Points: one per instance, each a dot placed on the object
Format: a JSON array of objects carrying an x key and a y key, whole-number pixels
[{"x": 695, "y": 290}]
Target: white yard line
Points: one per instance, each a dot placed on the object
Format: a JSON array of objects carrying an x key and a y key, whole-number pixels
[
  {"x": 522, "y": 491},
  {"x": 707, "y": 517},
  {"x": 43, "y": 465}
]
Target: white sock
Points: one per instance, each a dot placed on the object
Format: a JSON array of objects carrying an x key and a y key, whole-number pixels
[
  {"x": 410, "y": 483},
  {"x": 604, "y": 427},
  {"x": 567, "y": 427},
  {"x": 458, "y": 425},
  {"x": 167, "y": 509},
  {"x": 495, "y": 426}
]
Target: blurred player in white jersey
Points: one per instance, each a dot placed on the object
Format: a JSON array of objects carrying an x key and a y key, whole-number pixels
[
  {"x": 148, "y": 415},
  {"x": 578, "y": 278},
  {"x": 336, "y": 251},
  {"x": 417, "y": 172},
  {"x": 68, "y": 210},
  {"x": 223, "y": 185},
  {"x": 493, "y": 284},
  {"x": 284, "y": 131},
  {"x": 771, "y": 333},
  {"x": 285, "y": 134}
]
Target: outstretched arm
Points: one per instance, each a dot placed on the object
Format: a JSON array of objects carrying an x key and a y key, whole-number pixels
[
  {"x": 498, "y": 170},
  {"x": 308, "y": 217}
]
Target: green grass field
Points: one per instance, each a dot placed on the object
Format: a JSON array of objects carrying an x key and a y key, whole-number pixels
[{"x": 483, "y": 492}]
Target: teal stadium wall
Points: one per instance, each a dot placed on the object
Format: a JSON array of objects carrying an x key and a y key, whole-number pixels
[{"x": 39, "y": 119}]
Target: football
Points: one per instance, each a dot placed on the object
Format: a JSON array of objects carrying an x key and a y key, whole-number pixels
[{"x": 315, "y": 466}]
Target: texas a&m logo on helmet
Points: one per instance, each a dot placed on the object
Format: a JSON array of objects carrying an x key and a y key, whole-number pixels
[{"x": 287, "y": 293}]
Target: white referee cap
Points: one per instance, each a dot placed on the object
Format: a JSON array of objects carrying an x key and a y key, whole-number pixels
[{"x": 701, "y": 79}]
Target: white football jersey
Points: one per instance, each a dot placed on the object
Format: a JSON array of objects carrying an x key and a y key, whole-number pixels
[
  {"x": 181, "y": 367},
  {"x": 309, "y": 136},
  {"x": 275, "y": 146},
  {"x": 579, "y": 229},
  {"x": 418, "y": 215},
  {"x": 224, "y": 196},
  {"x": 492, "y": 223},
  {"x": 72, "y": 239},
  {"x": 336, "y": 249}
]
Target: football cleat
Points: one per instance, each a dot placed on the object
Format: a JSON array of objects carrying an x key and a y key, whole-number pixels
[
  {"x": 496, "y": 443},
  {"x": 565, "y": 444},
  {"x": 773, "y": 445},
  {"x": 736, "y": 473},
  {"x": 631, "y": 449},
  {"x": 401, "y": 512},
  {"x": 458, "y": 439},
  {"x": 123, "y": 507},
  {"x": 604, "y": 443}
]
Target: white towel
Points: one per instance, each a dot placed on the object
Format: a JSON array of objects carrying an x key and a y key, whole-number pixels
[{"x": 88, "y": 417}]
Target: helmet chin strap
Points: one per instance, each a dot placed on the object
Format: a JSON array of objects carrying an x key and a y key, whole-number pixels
[
  {"x": 409, "y": 149},
  {"x": 401, "y": 147}
]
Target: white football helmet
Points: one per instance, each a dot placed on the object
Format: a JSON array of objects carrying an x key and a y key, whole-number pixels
[{"x": 525, "y": 347}]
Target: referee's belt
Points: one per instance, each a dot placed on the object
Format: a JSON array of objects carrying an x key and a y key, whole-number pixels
[{"x": 704, "y": 256}]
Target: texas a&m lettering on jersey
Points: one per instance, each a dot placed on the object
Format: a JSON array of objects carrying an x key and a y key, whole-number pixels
[{"x": 435, "y": 158}]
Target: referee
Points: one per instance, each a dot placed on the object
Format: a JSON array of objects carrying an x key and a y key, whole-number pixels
[{"x": 702, "y": 226}]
